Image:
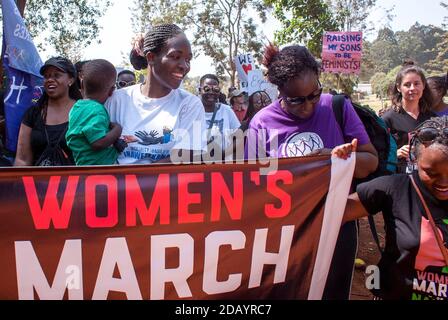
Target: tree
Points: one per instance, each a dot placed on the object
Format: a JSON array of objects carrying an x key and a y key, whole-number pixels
[
  {"x": 191, "y": 84},
  {"x": 147, "y": 13},
  {"x": 70, "y": 25},
  {"x": 440, "y": 62},
  {"x": 385, "y": 52},
  {"x": 419, "y": 43},
  {"x": 304, "y": 22},
  {"x": 222, "y": 29},
  {"x": 379, "y": 85},
  {"x": 352, "y": 14},
  {"x": 367, "y": 65}
]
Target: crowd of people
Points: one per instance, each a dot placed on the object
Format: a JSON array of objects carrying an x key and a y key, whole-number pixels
[{"x": 83, "y": 117}]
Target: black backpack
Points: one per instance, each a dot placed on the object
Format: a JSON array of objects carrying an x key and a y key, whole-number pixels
[
  {"x": 54, "y": 155},
  {"x": 381, "y": 139}
]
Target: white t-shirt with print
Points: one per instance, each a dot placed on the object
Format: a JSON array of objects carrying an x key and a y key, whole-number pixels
[
  {"x": 153, "y": 127},
  {"x": 224, "y": 124}
]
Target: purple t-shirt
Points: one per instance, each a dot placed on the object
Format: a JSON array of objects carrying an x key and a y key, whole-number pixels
[
  {"x": 285, "y": 135},
  {"x": 442, "y": 113}
]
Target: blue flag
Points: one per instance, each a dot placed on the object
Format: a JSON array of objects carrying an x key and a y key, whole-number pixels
[{"x": 21, "y": 63}]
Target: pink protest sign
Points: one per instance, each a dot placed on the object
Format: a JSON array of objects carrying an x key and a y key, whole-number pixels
[{"x": 342, "y": 52}]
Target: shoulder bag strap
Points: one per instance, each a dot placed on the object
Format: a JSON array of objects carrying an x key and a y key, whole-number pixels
[
  {"x": 217, "y": 106},
  {"x": 338, "y": 109},
  {"x": 431, "y": 221},
  {"x": 60, "y": 137}
]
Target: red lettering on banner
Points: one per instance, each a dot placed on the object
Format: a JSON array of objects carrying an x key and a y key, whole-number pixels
[
  {"x": 285, "y": 198},
  {"x": 226, "y": 195},
  {"x": 220, "y": 190},
  {"x": 51, "y": 211},
  {"x": 186, "y": 198},
  {"x": 135, "y": 203},
  {"x": 111, "y": 219}
]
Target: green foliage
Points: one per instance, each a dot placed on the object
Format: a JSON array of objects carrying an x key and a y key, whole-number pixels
[
  {"x": 384, "y": 52},
  {"x": 379, "y": 84},
  {"x": 367, "y": 65},
  {"x": 338, "y": 82},
  {"x": 191, "y": 84},
  {"x": 147, "y": 13},
  {"x": 439, "y": 64},
  {"x": 420, "y": 42},
  {"x": 352, "y": 14},
  {"x": 70, "y": 25},
  {"x": 303, "y": 22},
  {"x": 427, "y": 45},
  {"x": 222, "y": 28}
]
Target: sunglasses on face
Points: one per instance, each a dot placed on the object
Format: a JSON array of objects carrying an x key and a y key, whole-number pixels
[
  {"x": 313, "y": 97},
  {"x": 428, "y": 135},
  {"x": 208, "y": 89},
  {"x": 123, "y": 84}
]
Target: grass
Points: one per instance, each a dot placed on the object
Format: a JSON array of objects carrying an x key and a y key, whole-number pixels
[{"x": 373, "y": 102}]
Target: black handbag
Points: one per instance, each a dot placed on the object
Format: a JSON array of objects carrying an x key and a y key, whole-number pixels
[{"x": 54, "y": 155}]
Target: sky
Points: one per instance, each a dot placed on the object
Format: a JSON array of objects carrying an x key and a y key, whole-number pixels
[{"x": 116, "y": 34}]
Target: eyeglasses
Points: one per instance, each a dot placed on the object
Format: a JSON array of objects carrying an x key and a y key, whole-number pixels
[
  {"x": 123, "y": 84},
  {"x": 428, "y": 135},
  {"x": 301, "y": 100},
  {"x": 208, "y": 89}
]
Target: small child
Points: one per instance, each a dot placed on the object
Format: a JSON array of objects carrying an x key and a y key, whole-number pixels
[{"x": 90, "y": 135}]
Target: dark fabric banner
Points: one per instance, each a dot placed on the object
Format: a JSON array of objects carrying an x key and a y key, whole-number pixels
[{"x": 167, "y": 232}]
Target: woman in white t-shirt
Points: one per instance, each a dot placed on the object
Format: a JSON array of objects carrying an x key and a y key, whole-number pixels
[{"x": 161, "y": 123}]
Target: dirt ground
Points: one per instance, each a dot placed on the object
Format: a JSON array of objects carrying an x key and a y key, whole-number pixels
[{"x": 367, "y": 251}]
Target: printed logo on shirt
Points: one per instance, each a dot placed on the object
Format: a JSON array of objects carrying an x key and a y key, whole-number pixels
[
  {"x": 217, "y": 124},
  {"x": 302, "y": 144},
  {"x": 149, "y": 146},
  {"x": 432, "y": 282},
  {"x": 144, "y": 138}
]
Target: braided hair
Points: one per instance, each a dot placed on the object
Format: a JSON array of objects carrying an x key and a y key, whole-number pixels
[
  {"x": 425, "y": 102},
  {"x": 289, "y": 63},
  {"x": 441, "y": 141},
  {"x": 154, "y": 41}
]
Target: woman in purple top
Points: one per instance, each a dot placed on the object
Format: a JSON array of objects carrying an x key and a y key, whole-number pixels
[
  {"x": 302, "y": 122},
  {"x": 439, "y": 87}
]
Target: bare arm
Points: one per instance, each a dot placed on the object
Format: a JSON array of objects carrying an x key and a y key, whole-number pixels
[
  {"x": 354, "y": 209},
  {"x": 24, "y": 156},
  {"x": 366, "y": 160},
  {"x": 109, "y": 139}
]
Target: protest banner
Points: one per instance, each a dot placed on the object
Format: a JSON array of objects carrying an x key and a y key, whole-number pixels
[
  {"x": 257, "y": 82},
  {"x": 342, "y": 52},
  {"x": 244, "y": 63},
  {"x": 220, "y": 231},
  {"x": 21, "y": 64}
]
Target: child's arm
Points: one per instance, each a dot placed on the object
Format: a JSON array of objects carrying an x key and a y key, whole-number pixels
[{"x": 109, "y": 139}]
